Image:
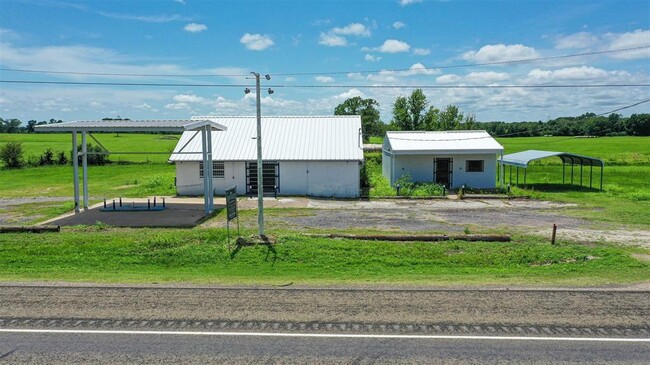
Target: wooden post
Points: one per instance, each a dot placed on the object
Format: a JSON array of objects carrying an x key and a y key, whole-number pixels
[{"x": 553, "y": 236}]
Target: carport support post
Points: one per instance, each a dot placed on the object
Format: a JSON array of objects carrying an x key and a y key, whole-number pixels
[
  {"x": 206, "y": 183},
  {"x": 517, "y": 176},
  {"x": 502, "y": 170},
  {"x": 84, "y": 166},
  {"x": 525, "y": 170},
  {"x": 209, "y": 139},
  {"x": 563, "y": 166},
  {"x": 75, "y": 171}
]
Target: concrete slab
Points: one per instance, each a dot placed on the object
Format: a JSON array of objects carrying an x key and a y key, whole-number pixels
[{"x": 179, "y": 213}]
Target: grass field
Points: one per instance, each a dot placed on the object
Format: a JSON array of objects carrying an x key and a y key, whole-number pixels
[
  {"x": 34, "y": 144},
  {"x": 100, "y": 254}
]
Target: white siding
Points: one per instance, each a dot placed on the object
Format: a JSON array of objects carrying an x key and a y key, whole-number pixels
[
  {"x": 315, "y": 178},
  {"x": 420, "y": 167}
]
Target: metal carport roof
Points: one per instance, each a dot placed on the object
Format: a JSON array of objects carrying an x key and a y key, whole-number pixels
[{"x": 522, "y": 159}]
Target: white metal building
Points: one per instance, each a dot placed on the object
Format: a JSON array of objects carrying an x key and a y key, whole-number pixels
[
  {"x": 303, "y": 155},
  {"x": 451, "y": 158}
]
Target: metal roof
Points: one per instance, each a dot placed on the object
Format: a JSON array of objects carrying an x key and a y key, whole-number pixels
[
  {"x": 522, "y": 159},
  {"x": 129, "y": 126},
  {"x": 440, "y": 142},
  {"x": 288, "y": 138}
]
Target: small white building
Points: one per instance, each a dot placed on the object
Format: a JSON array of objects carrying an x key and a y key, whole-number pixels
[
  {"x": 450, "y": 158},
  {"x": 303, "y": 155}
]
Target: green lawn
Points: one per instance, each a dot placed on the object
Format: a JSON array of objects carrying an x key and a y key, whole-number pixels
[
  {"x": 108, "y": 181},
  {"x": 100, "y": 254},
  {"x": 34, "y": 144}
]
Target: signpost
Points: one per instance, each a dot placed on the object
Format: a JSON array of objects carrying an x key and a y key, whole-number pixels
[{"x": 231, "y": 210}]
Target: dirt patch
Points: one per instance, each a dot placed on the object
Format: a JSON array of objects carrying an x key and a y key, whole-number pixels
[{"x": 641, "y": 257}]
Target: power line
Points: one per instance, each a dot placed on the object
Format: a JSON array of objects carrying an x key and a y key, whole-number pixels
[
  {"x": 523, "y": 60},
  {"x": 624, "y": 107},
  {"x": 326, "y": 86}
]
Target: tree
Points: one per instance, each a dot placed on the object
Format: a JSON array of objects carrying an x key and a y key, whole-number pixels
[
  {"x": 367, "y": 109},
  {"x": 409, "y": 113},
  {"x": 638, "y": 125},
  {"x": 450, "y": 118},
  {"x": 11, "y": 153}
]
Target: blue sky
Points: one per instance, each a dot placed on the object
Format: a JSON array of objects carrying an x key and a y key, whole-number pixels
[{"x": 335, "y": 43}]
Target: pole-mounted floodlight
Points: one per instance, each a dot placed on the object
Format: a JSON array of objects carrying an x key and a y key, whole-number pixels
[
  {"x": 268, "y": 77},
  {"x": 270, "y": 91},
  {"x": 247, "y": 91}
]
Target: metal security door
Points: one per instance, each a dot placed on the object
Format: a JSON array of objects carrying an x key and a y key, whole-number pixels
[
  {"x": 270, "y": 175},
  {"x": 443, "y": 171}
]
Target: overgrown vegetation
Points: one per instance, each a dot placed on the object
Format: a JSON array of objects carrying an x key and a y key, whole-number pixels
[{"x": 11, "y": 155}]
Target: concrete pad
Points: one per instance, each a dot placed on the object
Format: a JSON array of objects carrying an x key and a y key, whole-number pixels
[{"x": 179, "y": 213}]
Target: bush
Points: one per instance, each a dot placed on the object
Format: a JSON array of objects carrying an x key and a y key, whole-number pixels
[
  {"x": 47, "y": 158},
  {"x": 11, "y": 153},
  {"x": 94, "y": 159},
  {"x": 61, "y": 158}
]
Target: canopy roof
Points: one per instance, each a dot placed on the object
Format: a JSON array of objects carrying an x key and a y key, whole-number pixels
[
  {"x": 440, "y": 142},
  {"x": 178, "y": 126},
  {"x": 522, "y": 159}
]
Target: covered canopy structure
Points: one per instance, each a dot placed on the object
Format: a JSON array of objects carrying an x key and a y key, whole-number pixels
[
  {"x": 522, "y": 159},
  {"x": 175, "y": 126}
]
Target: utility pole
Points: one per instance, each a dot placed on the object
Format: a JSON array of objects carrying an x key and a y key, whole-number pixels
[{"x": 260, "y": 173}]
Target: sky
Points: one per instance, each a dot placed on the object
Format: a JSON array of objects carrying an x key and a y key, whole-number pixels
[{"x": 318, "y": 53}]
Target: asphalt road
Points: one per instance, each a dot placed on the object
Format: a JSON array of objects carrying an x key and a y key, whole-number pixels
[
  {"x": 192, "y": 349},
  {"x": 199, "y": 325}
]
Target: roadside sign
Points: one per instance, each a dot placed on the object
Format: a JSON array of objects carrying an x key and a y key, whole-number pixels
[{"x": 231, "y": 202}]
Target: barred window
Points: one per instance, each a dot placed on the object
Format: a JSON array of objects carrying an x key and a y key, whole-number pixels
[
  {"x": 218, "y": 170},
  {"x": 474, "y": 166}
]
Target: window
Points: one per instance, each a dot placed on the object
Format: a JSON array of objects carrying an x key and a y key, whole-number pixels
[
  {"x": 218, "y": 170},
  {"x": 474, "y": 166}
]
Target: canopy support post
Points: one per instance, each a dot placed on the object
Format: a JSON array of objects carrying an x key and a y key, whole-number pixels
[
  {"x": 581, "y": 173},
  {"x": 517, "y": 176},
  {"x": 525, "y": 171},
  {"x": 84, "y": 167},
  {"x": 209, "y": 138},
  {"x": 510, "y": 174},
  {"x": 75, "y": 171},
  {"x": 563, "y": 166},
  {"x": 206, "y": 182},
  {"x": 601, "y": 177}
]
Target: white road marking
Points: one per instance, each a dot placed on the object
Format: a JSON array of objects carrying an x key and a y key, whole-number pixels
[{"x": 324, "y": 335}]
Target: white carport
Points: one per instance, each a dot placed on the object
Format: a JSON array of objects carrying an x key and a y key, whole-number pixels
[{"x": 176, "y": 126}]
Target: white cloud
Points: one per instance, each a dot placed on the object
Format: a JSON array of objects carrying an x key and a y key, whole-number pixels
[
  {"x": 421, "y": 51},
  {"x": 195, "y": 28},
  {"x": 371, "y": 58},
  {"x": 355, "y": 76},
  {"x": 398, "y": 25},
  {"x": 147, "y": 18},
  {"x": 408, "y": 2},
  {"x": 577, "y": 40},
  {"x": 332, "y": 40},
  {"x": 393, "y": 46},
  {"x": 486, "y": 77},
  {"x": 500, "y": 52},
  {"x": 578, "y": 73},
  {"x": 420, "y": 69},
  {"x": 256, "y": 42},
  {"x": 629, "y": 40},
  {"x": 354, "y": 29},
  {"x": 448, "y": 79},
  {"x": 324, "y": 79},
  {"x": 335, "y": 37},
  {"x": 350, "y": 94},
  {"x": 188, "y": 98}
]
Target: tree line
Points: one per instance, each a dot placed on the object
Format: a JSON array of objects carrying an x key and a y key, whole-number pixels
[{"x": 414, "y": 113}]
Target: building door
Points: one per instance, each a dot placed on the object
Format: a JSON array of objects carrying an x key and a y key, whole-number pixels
[
  {"x": 270, "y": 176},
  {"x": 443, "y": 171}
]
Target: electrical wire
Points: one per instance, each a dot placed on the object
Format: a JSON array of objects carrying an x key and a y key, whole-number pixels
[
  {"x": 523, "y": 60},
  {"x": 327, "y": 86}
]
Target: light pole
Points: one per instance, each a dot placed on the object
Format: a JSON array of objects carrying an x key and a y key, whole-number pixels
[{"x": 260, "y": 180}]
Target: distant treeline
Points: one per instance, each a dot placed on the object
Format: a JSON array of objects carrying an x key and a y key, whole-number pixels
[
  {"x": 588, "y": 124},
  {"x": 585, "y": 125}
]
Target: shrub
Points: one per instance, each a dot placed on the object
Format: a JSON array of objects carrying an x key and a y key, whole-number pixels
[
  {"x": 47, "y": 158},
  {"x": 11, "y": 153},
  {"x": 61, "y": 158},
  {"x": 94, "y": 159}
]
